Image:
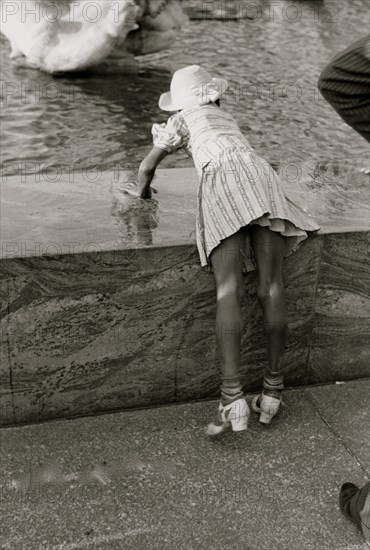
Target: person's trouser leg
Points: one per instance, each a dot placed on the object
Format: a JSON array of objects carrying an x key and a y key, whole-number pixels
[
  {"x": 352, "y": 502},
  {"x": 345, "y": 84}
]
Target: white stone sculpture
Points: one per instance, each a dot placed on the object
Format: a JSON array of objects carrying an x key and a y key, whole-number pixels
[{"x": 59, "y": 36}]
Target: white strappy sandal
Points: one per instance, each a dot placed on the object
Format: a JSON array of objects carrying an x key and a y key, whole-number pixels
[
  {"x": 234, "y": 416},
  {"x": 267, "y": 408}
]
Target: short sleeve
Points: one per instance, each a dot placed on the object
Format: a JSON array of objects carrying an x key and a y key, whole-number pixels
[{"x": 170, "y": 135}]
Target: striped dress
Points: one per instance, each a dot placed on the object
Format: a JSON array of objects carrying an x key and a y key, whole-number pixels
[{"x": 237, "y": 187}]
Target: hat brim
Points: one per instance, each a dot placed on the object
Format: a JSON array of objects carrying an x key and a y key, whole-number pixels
[{"x": 166, "y": 104}]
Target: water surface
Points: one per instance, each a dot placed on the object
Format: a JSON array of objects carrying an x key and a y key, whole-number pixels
[{"x": 102, "y": 120}]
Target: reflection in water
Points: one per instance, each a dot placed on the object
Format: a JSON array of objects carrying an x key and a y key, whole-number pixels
[{"x": 136, "y": 218}]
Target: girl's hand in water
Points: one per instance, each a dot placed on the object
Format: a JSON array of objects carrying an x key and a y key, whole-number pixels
[
  {"x": 141, "y": 188},
  {"x": 135, "y": 190}
]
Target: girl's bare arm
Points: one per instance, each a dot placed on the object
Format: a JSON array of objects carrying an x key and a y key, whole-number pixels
[{"x": 147, "y": 170}]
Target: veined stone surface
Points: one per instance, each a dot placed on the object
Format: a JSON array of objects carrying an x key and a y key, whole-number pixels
[
  {"x": 105, "y": 305},
  {"x": 340, "y": 339}
]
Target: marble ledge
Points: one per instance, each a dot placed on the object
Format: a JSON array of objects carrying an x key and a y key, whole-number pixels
[{"x": 40, "y": 216}]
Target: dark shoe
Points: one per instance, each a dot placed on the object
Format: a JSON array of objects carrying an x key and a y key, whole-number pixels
[{"x": 347, "y": 492}]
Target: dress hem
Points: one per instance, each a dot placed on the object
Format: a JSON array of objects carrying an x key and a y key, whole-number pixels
[{"x": 274, "y": 224}]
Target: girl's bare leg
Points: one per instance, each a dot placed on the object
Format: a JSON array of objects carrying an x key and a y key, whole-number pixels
[
  {"x": 269, "y": 248},
  {"x": 227, "y": 265}
]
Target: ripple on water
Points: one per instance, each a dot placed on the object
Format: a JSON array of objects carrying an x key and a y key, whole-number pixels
[{"x": 272, "y": 65}]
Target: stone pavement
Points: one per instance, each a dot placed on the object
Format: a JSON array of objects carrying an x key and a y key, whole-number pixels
[{"x": 150, "y": 479}]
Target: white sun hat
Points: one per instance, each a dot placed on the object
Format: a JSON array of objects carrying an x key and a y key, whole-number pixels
[{"x": 190, "y": 87}]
